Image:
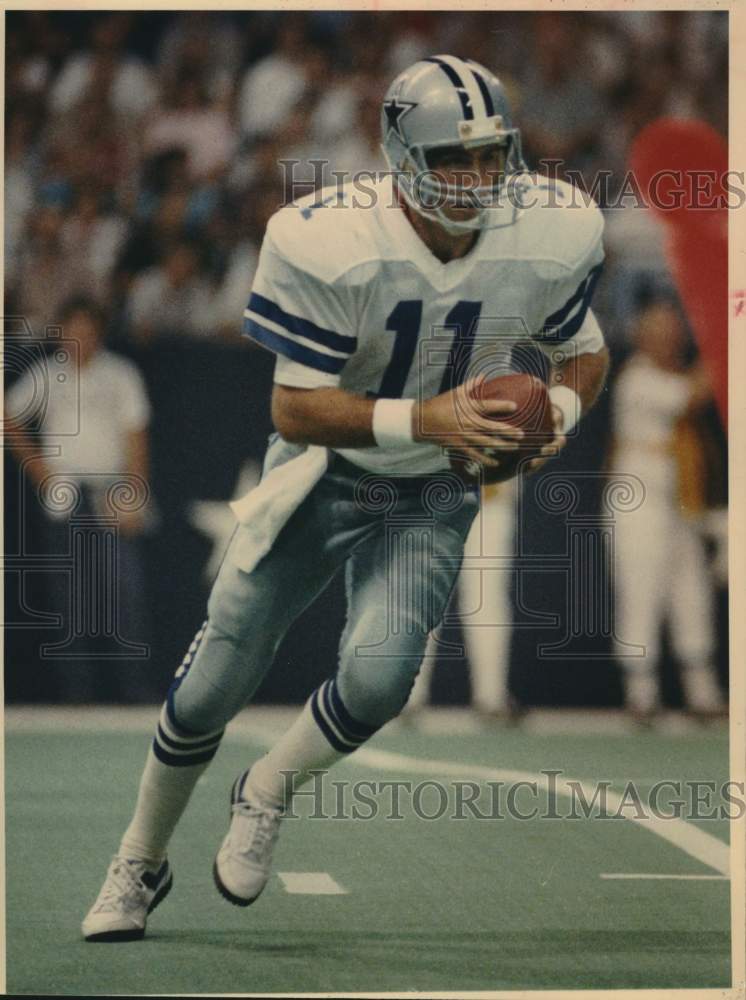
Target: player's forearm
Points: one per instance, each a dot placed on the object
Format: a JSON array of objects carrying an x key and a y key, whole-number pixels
[
  {"x": 331, "y": 417},
  {"x": 585, "y": 374},
  {"x": 339, "y": 419}
]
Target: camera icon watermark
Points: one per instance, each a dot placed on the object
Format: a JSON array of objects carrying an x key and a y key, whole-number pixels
[{"x": 40, "y": 369}]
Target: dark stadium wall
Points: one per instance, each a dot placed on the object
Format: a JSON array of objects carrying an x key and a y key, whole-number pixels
[{"x": 210, "y": 414}]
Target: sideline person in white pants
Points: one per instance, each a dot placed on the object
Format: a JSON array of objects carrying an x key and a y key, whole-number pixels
[
  {"x": 660, "y": 569},
  {"x": 484, "y": 608}
]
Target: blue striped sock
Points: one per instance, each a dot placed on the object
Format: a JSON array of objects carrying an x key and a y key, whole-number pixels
[
  {"x": 322, "y": 734},
  {"x": 343, "y": 732}
]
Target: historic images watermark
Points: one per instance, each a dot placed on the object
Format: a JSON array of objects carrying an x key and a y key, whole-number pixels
[
  {"x": 667, "y": 190},
  {"x": 584, "y": 626},
  {"x": 547, "y": 796}
]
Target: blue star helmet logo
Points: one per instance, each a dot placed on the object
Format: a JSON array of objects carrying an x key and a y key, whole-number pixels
[{"x": 396, "y": 110}]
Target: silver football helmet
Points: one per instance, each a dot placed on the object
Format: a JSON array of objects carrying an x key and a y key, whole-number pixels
[{"x": 444, "y": 101}]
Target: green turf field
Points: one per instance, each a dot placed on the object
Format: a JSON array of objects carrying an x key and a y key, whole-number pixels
[{"x": 428, "y": 905}]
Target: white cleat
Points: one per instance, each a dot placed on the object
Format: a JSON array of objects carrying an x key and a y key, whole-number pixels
[
  {"x": 243, "y": 863},
  {"x": 130, "y": 892}
]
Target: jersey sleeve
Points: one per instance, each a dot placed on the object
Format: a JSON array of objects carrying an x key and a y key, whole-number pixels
[
  {"x": 589, "y": 339},
  {"x": 302, "y": 318},
  {"x": 569, "y": 320},
  {"x": 299, "y": 376}
]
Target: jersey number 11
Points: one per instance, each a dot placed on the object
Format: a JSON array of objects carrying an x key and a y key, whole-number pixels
[{"x": 404, "y": 320}]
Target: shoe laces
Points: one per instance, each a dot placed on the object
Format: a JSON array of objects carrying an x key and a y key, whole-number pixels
[
  {"x": 257, "y": 835},
  {"x": 123, "y": 888}
]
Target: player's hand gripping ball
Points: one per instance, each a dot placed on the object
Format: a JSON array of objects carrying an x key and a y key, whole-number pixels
[{"x": 533, "y": 414}]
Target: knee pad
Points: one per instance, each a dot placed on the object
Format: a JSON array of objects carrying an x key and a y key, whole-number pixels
[
  {"x": 197, "y": 707},
  {"x": 208, "y": 688},
  {"x": 375, "y": 694}
]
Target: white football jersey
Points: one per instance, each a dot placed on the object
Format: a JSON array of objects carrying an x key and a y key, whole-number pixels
[{"x": 346, "y": 294}]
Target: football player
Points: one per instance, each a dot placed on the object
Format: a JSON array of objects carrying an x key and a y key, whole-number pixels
[{"x": 381, "y": 312}]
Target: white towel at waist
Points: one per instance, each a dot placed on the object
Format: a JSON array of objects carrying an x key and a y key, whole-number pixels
[{"x": 264, "y": 510}]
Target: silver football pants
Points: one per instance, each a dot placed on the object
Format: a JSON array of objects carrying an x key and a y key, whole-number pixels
[{"x": 400, "y": 540}]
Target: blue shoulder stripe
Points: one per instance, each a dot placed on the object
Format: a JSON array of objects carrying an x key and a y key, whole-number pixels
[
  {"x": 557, "y": 326},
  {"x": 291, "y": 349},
  {"x": 301, "y": 327}
]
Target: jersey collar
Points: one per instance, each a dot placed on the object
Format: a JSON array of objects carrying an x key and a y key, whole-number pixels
[{"x": 402, "y": 242}]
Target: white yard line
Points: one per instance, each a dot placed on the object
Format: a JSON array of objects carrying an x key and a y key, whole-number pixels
[
  {"x": 254, "y": 728},
  {"x": 310, "y": 884},
  {"x": 695, "y": 842}
]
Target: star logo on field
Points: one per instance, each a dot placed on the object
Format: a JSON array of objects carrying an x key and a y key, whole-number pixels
[
  {"x": 395, "y": 110},
  {"x": 216, "y": 520}
]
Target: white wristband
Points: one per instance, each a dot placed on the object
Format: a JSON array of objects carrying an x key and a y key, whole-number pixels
[
  {"x": 392, "y": 422},
  {"x": 568, "y": 401}
]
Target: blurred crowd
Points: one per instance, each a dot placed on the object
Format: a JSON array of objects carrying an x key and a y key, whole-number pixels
[
  {"x": 142, "y": 149},
  {"x": 142, "y": 162}
]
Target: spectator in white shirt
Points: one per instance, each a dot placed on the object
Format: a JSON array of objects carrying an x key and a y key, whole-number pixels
[
  {"x": 90, "y": 412},
  {"x": 105, "y": 69},
  {"x": 273, "y": 87},
  {"x": 191, "y": 123}
]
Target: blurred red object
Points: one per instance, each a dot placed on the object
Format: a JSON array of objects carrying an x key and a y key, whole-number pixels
[{"x": 680, "y": 166}]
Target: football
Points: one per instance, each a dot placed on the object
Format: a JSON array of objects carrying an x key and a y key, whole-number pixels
[{"x": 533, "y": 414}]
